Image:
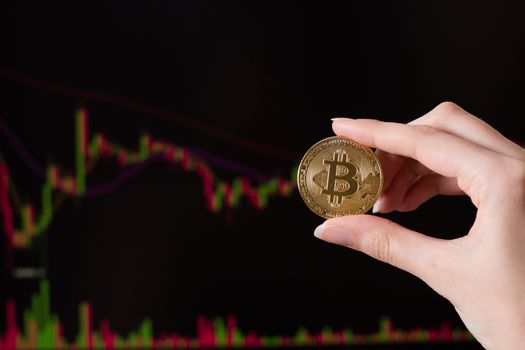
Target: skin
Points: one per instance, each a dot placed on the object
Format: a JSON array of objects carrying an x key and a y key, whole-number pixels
[{"x": 450, "y": 152}]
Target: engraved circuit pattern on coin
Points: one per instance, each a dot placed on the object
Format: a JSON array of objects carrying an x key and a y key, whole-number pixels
[{"x": 339, "y": 177}]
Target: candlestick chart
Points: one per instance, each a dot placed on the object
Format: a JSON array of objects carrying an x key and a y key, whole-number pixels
[
  {"x": 148, "y": 160},
  {"x": 39, "y": 320},
  {"x": 43, "y": 330},
  {"x": 216, "y": 193},
  {"x": 40, "y": 328}
]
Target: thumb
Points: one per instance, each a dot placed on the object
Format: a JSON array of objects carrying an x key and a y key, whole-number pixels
[{"x": 386, "y": 241}]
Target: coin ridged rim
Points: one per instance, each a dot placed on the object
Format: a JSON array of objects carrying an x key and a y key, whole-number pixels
[{"x": 312, "y": 152}]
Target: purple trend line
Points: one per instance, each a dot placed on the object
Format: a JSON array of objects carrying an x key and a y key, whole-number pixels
[
  {"x": 229, "y": 164},
  {"x": 132, "y": 170},
  {"x": 142, "y": 107},
  {"x": 106, "y": 188},
  {"x": 21, "y": 150}
]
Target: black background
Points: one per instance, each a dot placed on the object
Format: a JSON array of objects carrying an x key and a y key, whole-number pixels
[{"x": 270, "y": 73}]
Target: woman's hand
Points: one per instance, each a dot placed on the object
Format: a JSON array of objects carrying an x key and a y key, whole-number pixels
[{"x": 449, "y": 151}]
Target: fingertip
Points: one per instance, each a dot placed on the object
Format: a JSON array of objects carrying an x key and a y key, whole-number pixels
[
  {"x": 383, "y": 205},
  {"x": 342, "y": 125},
  {"x": 334, "y": 234},
  {"x": 341, "y": 119},
  {"x": 377, "y": 206},
  {"x": 318, "y": 232}
]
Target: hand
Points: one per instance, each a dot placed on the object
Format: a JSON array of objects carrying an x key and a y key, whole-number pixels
[{"x": 449, "y": 151}]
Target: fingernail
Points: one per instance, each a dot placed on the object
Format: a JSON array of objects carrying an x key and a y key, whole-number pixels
[
  {"x": 333, "y": 234},
  {"x": 341, "y": 118},
  {"x": 377, "y": 206}
]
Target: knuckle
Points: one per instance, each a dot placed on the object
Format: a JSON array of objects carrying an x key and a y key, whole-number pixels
[
  {"x": 443, "y": 114},
  {"x": 447, "y": 108}
]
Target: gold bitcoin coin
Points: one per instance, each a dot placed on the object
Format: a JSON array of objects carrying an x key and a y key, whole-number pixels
[{"x": 339, "y": 177}]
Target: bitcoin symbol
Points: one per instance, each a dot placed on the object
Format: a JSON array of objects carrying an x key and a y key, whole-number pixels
[
  {"x": 339, "y": 177},
  {"x": 336, "y": 189}
]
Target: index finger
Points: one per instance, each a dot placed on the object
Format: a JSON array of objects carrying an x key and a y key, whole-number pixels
[{"x": 445, "y": 154}]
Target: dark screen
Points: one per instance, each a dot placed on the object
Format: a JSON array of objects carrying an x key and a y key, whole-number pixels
[{"x": 239, "y": 91}]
